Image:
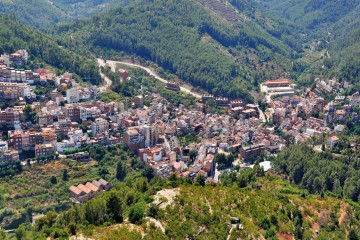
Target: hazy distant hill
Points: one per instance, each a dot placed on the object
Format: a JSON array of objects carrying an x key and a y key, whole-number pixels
[
  {"x": 311, "y": 14},
  {"x": 45, "y": 13}
]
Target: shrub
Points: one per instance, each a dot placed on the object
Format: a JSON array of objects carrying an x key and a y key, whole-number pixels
[
  {"x": 273, "y": 220},
  {"x": 153, "y": 210},
  {"x": 53, "y": 179},
  {"x": 136, "y": 213},
  {"x": 72, "y": 228},
  {"x": 270, "y": 233},
  {"x": 265, "y": 223}
]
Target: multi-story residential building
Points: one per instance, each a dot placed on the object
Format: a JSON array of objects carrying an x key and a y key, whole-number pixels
[
  {"x": 139, "y": 101},
  {"x": 72, "y": 95},
  {"x": 332, "y": 141},
  {"x": 44, "y": 150},
  {"x": 251, "y": 151},
  {"x": 134, "y": 139},
  {"x": 100, "y": 125},
  {"x": 151, "y": 135},
  {"x": 66, "y": 145},
  {"x": 4, "y": 146},
  {"x": 207, "y": 97},
  {"x": 9, "y": 156},
  {"x": 221, "y": 101},
  {"x": 355, "y": 99},
  {"x": 45, "y": 118},
  {"x": 49, "y": 135},
  {"x": 83, "y": 193},
  {"x": 19, "y": 58},
  {"x": 10, "y": 116},
  {"x": 10, "y": 91}
]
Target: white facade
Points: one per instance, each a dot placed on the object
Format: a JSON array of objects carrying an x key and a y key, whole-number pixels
[
  {"x": 4, "y": 146},
  {"x": 66, "y": 145},
  {"x": 26, "y": 92},
  {"x": 72, "y": 95},
  {"x": 100, "y": 125}
]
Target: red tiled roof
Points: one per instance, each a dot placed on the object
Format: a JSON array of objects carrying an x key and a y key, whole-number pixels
[
  {"x": 84, "y": 188},
  {"x": 75, "y": 190},
  {"x": 92, "y": 186}
]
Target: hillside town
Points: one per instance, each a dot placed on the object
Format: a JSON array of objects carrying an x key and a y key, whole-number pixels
[{"x": 69, "y": 118}]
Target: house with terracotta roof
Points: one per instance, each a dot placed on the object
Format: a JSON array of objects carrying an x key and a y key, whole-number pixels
[
  {"x": 94, "y": 188},
  {"x": 102, "y": 184},
  {"x": 78, "y": 194},
  {"x": 83, "y": 193}
]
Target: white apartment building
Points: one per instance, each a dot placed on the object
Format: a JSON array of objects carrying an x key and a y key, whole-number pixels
[{"x": 72, "y": 95}]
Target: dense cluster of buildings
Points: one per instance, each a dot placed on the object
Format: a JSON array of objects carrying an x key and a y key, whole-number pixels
[
  {"x": 153, "y": 132},
  {"x": 71, "y": 117},
  {"x": 310, "y": 115},
  {"x": 18, "y": 58}
]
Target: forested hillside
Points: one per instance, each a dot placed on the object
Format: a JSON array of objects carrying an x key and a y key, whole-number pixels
[
  {"x": 345, "y": 46},
  {"x": 43, "y": 13},
  {"x": 208, "y": 44},
  {"x": 336, "y": 24},
  {"x": 310, "y": 14},
  {"x": 43, "y": 49},
  {"x": 321, "y": 172}
]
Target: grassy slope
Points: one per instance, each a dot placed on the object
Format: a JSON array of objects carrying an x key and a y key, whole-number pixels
[
  {"x": 205, "y": 212},
  {"x": 32, "y": 188}
]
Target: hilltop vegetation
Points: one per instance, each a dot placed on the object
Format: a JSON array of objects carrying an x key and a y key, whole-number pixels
[
  {"x": 266, "y": 206},
  {"x": 43, "y": 49}
]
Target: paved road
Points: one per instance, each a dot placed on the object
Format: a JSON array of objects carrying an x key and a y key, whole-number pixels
[
  {"x": 107, "y": 80},
  {"x": 149, "y": 71}
]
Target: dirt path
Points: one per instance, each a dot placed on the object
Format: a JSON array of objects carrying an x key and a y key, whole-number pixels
[
  {"x": 210, "y": 208},
  {"x": 231, "y": 229},
  {"x": 166, "y": 197},
  {"x": 343, "y": 213},
  {"x": 157, "y": 223},
  {"x": 80, "y": 237}
]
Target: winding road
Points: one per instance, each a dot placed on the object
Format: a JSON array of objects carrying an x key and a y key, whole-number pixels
[{"x": 148, "y": 70}]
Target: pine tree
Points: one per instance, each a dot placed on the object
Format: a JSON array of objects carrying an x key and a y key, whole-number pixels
[
  {"x": 120, "y": 171},
  {"x": 114, "y": 207}
]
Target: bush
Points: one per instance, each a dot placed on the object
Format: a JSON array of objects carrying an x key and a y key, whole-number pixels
[
  {"x": 274, "y": 220},
  {"x": 136, "y": 213},
  {"x": 153, "y": 210},
  {"x": 53, "y": 179},
  {"x": 265, "y": 223},
  {"x": 72, "y": 228},
  {"x": 270, "y": 233}
]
